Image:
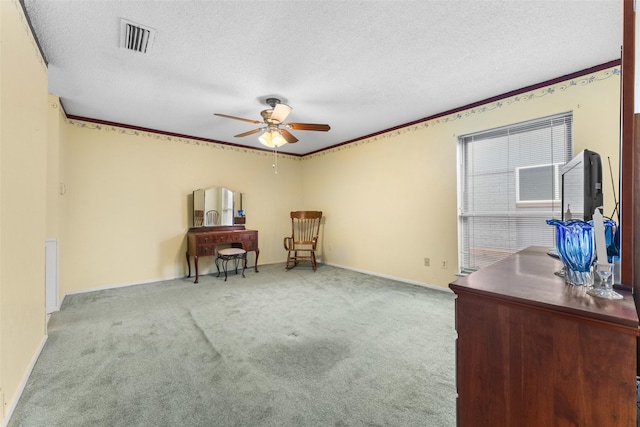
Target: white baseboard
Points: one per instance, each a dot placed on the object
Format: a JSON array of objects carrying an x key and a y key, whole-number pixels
[
  {"x": 16, "y": 398},
  {"x": 124, "y": 285},
  {"x": 397, "y": 279}
]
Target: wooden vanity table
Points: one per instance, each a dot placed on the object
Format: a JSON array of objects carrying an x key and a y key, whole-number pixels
[
  {"x": 202, "y": 241},
  {"x": 534, "y": 351}
]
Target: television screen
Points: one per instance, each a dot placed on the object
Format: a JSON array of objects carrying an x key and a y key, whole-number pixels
[{"x": 582, "y": 186}]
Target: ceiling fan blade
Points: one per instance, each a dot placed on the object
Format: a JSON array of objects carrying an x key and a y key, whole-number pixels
[
  {"x": 280, "y": 112},
  {"x": 288, "y": 136},
  {"x": 238, "y": 118},
  {"x": 247, "y": 133},
  {"x": 308, "y": 126}
]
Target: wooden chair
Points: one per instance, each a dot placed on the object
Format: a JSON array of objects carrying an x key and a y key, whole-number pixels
[{"x": 301, "y": 246}]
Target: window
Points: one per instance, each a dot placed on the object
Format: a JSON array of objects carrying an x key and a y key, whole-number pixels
[{"x": 509, "y": 185}]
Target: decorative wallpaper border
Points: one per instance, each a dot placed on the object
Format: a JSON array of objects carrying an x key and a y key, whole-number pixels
[
  {"x": 169, "y": 138},
  {"x": 550, "y": 90},
  {"x": 26, "y": 26}
]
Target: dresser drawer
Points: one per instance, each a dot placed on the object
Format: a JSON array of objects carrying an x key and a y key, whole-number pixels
[
  {"x": 204, "y": 239},
  {"x": 249, "y": 241},
  {"x": 247, "y": 237},
  {"x": 205, "y": 249},
  {"x": 222, "y": 238}
]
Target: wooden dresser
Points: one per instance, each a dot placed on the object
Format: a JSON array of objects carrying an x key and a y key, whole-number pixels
[
  {"x": 202, "y": 241},
  {"x": 533, "y": 351}
]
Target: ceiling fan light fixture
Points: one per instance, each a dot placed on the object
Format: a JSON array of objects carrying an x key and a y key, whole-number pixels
[
  {"x": 265, "y": 138},
  {"x": 277, "y": 139},
  {"x": 272, "y": 139}
]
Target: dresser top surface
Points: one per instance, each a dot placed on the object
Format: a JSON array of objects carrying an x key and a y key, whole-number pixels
[
  {"x": 528, "y": 277},
  {"x": 220, "y": 229}
]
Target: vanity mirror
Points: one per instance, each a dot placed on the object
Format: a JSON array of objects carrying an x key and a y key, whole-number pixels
[{"x": 217, "y": 206}]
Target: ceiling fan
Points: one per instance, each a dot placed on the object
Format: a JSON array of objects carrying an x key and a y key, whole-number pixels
[{"x": 276, "y": 133}]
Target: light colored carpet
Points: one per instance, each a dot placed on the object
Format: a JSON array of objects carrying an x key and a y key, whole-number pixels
[{"x": 279, "y": 348}]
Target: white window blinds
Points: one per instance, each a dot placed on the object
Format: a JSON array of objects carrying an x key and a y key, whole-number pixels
[{"x": 509, "y": 185}]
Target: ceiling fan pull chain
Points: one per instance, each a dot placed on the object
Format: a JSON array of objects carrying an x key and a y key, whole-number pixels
[{"x": 275, "y": 160}]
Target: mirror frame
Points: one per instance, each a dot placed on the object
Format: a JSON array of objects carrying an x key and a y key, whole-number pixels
[{"x": 217, "y": 207}]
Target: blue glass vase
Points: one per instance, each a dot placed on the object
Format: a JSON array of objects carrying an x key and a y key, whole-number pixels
[
  {"x": 574, "y": 243},
  {"x": 612, "y": 237}
]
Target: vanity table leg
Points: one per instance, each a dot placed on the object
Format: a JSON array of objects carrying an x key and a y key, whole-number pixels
[
  {"x": 188, "y": 265},
  {"x": 255, "y": 267},
  {"x": 195, "y": 262}
]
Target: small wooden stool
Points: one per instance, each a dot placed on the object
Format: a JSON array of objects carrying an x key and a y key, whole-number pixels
[{"x": 237, "y": 254}]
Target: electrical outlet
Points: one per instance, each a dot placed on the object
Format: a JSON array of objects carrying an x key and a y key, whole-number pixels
[
  {"x": 445, "y": 264},
  {"x": 427, "y": 262}
]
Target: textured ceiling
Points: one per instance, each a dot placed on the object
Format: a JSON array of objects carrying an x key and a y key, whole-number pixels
[{"x": 360, "y": 66}]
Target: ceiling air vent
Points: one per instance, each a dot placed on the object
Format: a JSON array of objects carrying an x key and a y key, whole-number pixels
[{"x": 135, "y": 37}]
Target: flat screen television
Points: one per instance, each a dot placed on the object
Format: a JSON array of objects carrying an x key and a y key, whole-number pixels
[{"x": 581, "y": 186}]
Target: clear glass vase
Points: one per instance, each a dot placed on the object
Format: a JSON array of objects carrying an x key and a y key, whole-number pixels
[{"x": 604, "y": 287}]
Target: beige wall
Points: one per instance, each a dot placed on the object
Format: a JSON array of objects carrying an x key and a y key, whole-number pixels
[
  {"x": 23, "y": 200},
  {"x": 391, "y": 200},
  {"x": 126, "y": 202}
]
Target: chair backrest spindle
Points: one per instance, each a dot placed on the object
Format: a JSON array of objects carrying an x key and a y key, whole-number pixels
[{"x": 305, "y": 225}]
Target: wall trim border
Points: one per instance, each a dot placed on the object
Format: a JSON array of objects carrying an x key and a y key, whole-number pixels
[
  {"x": 28, "y": 28},
  {"x": 531, "y": 93},
  {"x": 92, "y": 124}
]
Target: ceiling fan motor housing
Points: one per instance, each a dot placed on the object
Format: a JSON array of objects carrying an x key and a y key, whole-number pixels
[
  {"x": 272, "y": 102},
  {"x": 266, "y": 115}
]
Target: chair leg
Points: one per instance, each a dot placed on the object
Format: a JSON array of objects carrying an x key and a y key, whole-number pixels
[
  {"x": 289, "y": 259},
  {"x": 225, "y": 263},
  {"x": 293, "y": 259}
]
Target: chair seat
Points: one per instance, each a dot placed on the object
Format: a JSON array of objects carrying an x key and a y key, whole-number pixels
[
  {"x": 231, "y": 251},
  {"x": 227, "y": 254}
]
